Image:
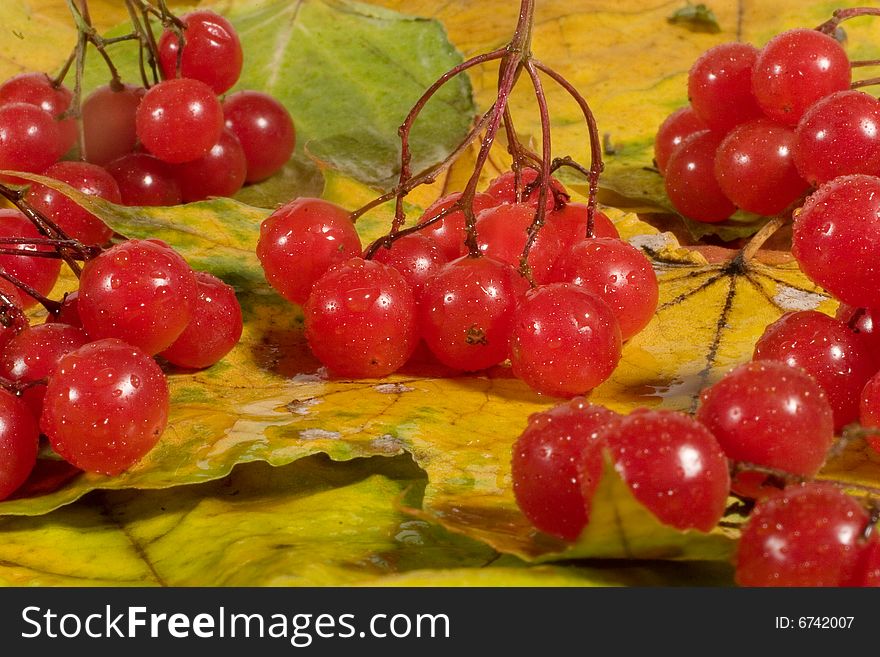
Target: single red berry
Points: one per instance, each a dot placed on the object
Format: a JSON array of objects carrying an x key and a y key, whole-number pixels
[
  {"x": 770, "y": 414},
  {"x": 566, "y": 340},
  {"x": 211, "y": 51},
  {"x": 673, "y": 465},
  {"x": 73, "y": 219},
  {"x": 300, "y": 241},
  {"x": 265, "y": 130},
  {"x": 19, "y": 443},
  {"x": 795, "y": 69},
  {"x": 466, "y": 312},
  {"x": 360, "y": 319},
  {"x": 179, "y": 120},
  {"x": 805, "y": 535},
  {"x": 557, "y": 465},
  {"x": 141, "y": 291},
  {"x": 214, "y": 327},
  {"x": 105, "y": 407}
]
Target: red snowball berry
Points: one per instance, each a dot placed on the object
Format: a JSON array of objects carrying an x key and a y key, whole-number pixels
[
  {"x": 466, "y": 312},
  {"x": 33, "y": 354},
  {"x": 720, "y": 86},
  {"x": 220, "y": 172},
  {"x": 839, "y": 135},
  {"x": 108, "y": 120},
  {"x": 38, "y": 272},
  {"x": 691, "y": 183},
  {"x": 805, "y": 535},
  {"x": 141, "y": 291},
  {"x": 211, "y": 51},
  {"x": 73, "y": 219},
  {"x": 838, "y": 359},
  {"x": 105, "y": 407},
  {"x": 755, "y": 168},
  {"x": 214, "y": 326},
  {"x": 416, "y": 257},
  {"x": 300, "y": 241},
  {"x": 448, "y": 231},
  {"x": 869, "y": 409},
  {"x": 38, "y": 89},
  {"x": 19, "y": 442},
  {"x": 673, "y": 465},
  {"x": 795, "y": 69},
  {"x": 145, "y": 180},
  {"x": 557, "y": 464},
  {"x": 617, "y": 273},
  {"x": 502, "y": 232},
  {"x": 840, "y": 223},
  {"x": 566, "y": 341},
  {"x": 569, "y": 223},
  {"x": 179, "y": 120},
  {"x": 677, "y": 127},
  {"x": 265, "y": 129},
  {"x": 504, "y": 189},
  {"x": 30, "y": 139},
  {"x": 360, "y": 319},
  {"x": 770, "y": 414}
]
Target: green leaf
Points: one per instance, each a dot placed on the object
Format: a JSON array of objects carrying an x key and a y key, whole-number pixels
[{"x": 311, "y": 523}]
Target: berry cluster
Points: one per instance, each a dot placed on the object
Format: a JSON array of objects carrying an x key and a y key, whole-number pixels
[
  {"x": 472, "y": 304},
  {"x": 86, "y": 378},
  {"x": 170, "y": 142},
  {"x": 762, "y": 417},
  {"x": 764, "y": 126}
]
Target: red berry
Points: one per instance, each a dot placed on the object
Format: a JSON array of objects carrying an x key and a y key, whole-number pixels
[
  {"x": 30, "y": 139},
  {"x": 557, "y": 464},
  {"x": 37, "y": 89},
  {"x": 673, "y": 465},
  {"x": 466, "y": 312},
  {"x": 691, "y": 183},
  {"x": 838, "y": 224},
  {"x": 617, "y": 273},
  {"x": 108, "y": 118},
  {"x": 677, "y": 127},
  {"x": 19, "y": 442},
  {"x": 449, "y": 231},
  {"x": 503, "y": 189},
  {"x": 220, "y": 172},
  {"x": 300, "y": 241},
  {"x": 502, "y": 232},
  {"x": 566, "y": 340},
  {"x": 38, "y": 272},
  {"x": 141, "y": 291},
  {"x": 214, "y": 327},
  {"x": 869, "y": 409},
  {"x": 754, "y": 167},
  {"x": 73, "y": 219},
  {"x": 33, "y": 354},
  {"x": 145, "y": 180},
  {"x": 211, "y": 51},
  {"x": 838, "y": 359},
  {"x": 179, "y": 120},
  {"x": 105, "y": 407},
  {"x": 569, "y": 223},
  {"x": 720, "y": 86},
  {"x": 770, "y": 414},
  {"x": 416, "y": 257},
  {"x": 795, "y": 69},
  {"x": 839, "y": 135},
  {"x": 264, "y": 128},
  {"x": 806, "y": 535},
  {"x": 360, "y": 319}
]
